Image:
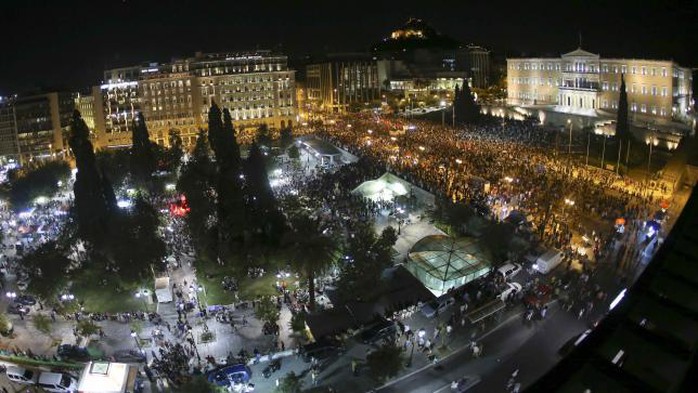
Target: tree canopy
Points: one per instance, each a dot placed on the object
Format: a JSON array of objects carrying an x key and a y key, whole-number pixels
[
  {"x": 143, "y": 160},
  {"x": 38, "y": 182},
  {"x": 385, "y": 362}
]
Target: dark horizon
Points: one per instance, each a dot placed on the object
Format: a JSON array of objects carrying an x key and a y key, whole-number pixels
[{"x": 70, "y": 45}]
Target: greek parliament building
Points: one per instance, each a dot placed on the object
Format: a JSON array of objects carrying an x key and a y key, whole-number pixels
[
  {"x": 257, "y": 87},
  {"x": 583, "y": 83}
]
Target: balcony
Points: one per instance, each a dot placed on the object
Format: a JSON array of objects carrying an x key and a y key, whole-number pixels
[{"x": 588, "y": 86}]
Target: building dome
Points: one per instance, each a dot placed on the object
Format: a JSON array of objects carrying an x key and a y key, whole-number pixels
[{"x": 441, "y": 262}]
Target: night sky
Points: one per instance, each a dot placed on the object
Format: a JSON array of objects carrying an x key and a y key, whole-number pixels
[{"x": 54, "y": 43}]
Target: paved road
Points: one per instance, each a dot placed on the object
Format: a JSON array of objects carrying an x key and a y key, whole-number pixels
[{"x": 531, "y": 345}]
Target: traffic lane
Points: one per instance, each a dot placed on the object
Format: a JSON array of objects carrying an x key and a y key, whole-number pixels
[
  {"x": 500, "y": 341},
  {"x": 538, "y": 355}
]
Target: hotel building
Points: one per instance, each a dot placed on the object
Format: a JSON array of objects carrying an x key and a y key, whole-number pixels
[
  {"x": 256, "y": 87},
  {"x": 342, "y": 81},
  {"x": 579, "y": 82}
]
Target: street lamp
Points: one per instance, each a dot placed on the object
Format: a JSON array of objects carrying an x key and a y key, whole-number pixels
[
  {"x": 193, "y": 344},
  {"x": 651, "y": 141},
  {"x": 67, "y": 297},
  {"x": 443, "y": 113},
  {"x": 11, "y": 295},
  {"x": 142, "y": 294}
]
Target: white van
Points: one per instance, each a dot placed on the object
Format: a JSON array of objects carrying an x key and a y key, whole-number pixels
[
  {"x": 22, "y": 375},
  {"x": 59, "y": 383},
  {"x": 548, "y": 261}
]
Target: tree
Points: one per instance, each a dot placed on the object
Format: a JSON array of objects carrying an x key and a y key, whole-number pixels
[
  {"x": 175, "y": 152},
  {"x": 263, "y": 136},
  {"x": 38, "y": 182},
  {"x": 267, "y": 311},
  {"x": 309, "y": 250},
  {"x": 622, "y": 123},
  {"x": 134, "y": 243},
  {"x": 91, "y": 207},
  {"x": 143, "y": 161},
  {"x": 286, "y": 137},
  {"x": 297, "y": 323},
  {"x": 260, "y": 201},
  {"x": 42, "y": 323},
  {"x": 369, "y": 255},
  {"x": 86, "y": 328},
  {"x": 116, "y": 163},
  {"x": 497, "y": 240},
  {"x": 46, "y": 267},
  {"x": 196, "y": 182},
  {"x": 385, "y": 362},
  {"x": 293, "y": 152},
  {"x": 230, "y": 206},
  {"x": 467, "y": 111},
  {"x": 291, "y": 383},
  {"x": 197, "y": 384}
]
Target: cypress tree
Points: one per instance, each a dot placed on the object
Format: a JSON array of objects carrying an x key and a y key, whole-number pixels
[
  {"x": 622, "y": 122},
  {"x": 468, "y": 111},
  {"x": 142, "y": 154},
  {"x": 91, "y": 208}
]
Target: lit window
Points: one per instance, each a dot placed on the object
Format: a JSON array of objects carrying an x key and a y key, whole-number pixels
[
  {"x": 643, "y": 108},
  {"x": 644, "y": 89},
  {"x": 664, "y": 72},
  {"x": 664, "y": 91},
  {"x": 623, "y": 69},
  {"x": 633, "y": 70},
  {"x": 654, "y": 90},
  {"x": 644, "y": 70}
]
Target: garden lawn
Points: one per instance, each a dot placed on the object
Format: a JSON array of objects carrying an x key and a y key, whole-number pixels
[{"x": 114, "y": 297}]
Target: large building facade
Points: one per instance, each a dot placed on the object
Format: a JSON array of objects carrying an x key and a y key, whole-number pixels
[
  {"x": 338, "y": 84},
  {"x": 584, "y": 83},
  {"x": 35, "y": 127},
  {"x": 256, "y": 87}
]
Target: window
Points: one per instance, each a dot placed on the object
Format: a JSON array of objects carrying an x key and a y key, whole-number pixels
[
  {"x": 605, "y": 104},
  {"x": 654, "y": 90},
  {"x": 654, "y": 71},
  {"x": 534, "y": 66},
  {"x": 644, "y": 70},
  {"x": 664, "y": 91},
  {"x": 632, "y": 88},
  {"x": 623, "y": 69},
  {"x": 550, "y": 67},
  {"x": 633, "y": 107},
  {"x": 662, "y": 111},
  {"x": 664, "y": 72},
  {"x": 643, "y": 108},
  {"x": 605, "y": 86},
  {"x": 615, "y": 69},
  {"x": 654, "y": 110},
  {"x": 557, "y": 66},
  {"x": 633, "y": 70},
  {"x": 550, "y": 81},
  {"x": 644, "y": 89}
]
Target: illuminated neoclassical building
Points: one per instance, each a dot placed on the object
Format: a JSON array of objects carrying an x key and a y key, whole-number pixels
[{"x": 581, "y": 82}]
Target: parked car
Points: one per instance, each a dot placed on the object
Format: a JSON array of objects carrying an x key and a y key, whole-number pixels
[
  {"x": 129, "y": 356},
  {"x": 382, "y": 329},
  {"x": 227, "y": 375},
  {"x": 464, "y": 384},
  {"x": 58, "y": 383},
  {"x": 509, "y": 270},
  {"x": 321, "y": 349},
  {"x": 25, "y": 300},
  {"x": 511, "y": 288},
  {"x": 22, "y": 375},
  {"x": 15, "y": 308},
  {"x": 73, "y": 353},
  {"x": 434, "y": 307}
]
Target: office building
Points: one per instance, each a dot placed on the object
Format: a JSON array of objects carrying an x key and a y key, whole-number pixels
[
  {"x": 581, "y": 82},
  {"x": 35, "y": 127},
  {"x": 343, "y": 82}
]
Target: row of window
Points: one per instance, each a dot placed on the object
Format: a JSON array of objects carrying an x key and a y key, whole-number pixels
[
  {"x": 604, "y": 68},
  {"x": 605, "y": 86}
]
